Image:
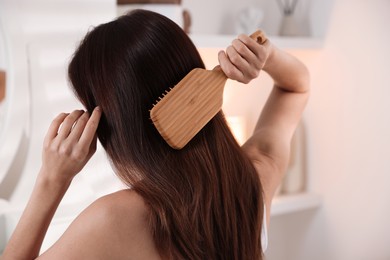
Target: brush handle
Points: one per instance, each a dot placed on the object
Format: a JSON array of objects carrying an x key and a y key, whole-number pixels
[{"x": 259, "y": 36}]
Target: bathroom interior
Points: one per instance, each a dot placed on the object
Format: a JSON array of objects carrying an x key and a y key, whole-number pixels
[{"x": 334, "y": 202}]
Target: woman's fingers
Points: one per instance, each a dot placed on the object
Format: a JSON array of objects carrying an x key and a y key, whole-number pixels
[
  {"x": 236, "y": 68},
  {"x": 53, "y": 129},
  {"x": 244, "y": 60},
  {"x": 244, "y": 52},
  {"x": 228, "y": 67},
  {"x": 92, "y": 148},
  {"x": 78, "y": 127},
  {"x": 251, "y": 44},
  {"x": 236, "y": 58},
  {"x": 68, "y": 124},
  {"x": 91, "y": 126},
  {"x": 260, "y": 50}
]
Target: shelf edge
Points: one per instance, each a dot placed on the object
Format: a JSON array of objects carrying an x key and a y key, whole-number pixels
[
  {"x": 286, "y": 204},
  {"x": 222, "y": 41}
]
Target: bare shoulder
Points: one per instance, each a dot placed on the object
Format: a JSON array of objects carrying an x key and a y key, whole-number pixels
[
  {"x": 123, "y": 205},
  {"x": 123, "y": 213},
  {"x": 113, "y": 227}
]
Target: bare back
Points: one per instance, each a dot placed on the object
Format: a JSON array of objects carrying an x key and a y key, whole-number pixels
[{"x": 113, "y": 227}]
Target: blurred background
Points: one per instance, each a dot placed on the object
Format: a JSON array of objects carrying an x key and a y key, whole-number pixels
[{"x": 335, "y": 200}]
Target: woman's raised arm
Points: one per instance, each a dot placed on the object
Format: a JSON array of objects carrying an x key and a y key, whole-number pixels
[{"x": 269, "y": 146}]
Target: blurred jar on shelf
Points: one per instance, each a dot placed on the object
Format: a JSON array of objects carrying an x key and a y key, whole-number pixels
[{"x": 2, "y": 85}]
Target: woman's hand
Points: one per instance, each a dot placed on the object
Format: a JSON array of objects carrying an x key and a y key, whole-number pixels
[
  {"x": 244, "y": 58},
  {"x": 69, "y": 143}
]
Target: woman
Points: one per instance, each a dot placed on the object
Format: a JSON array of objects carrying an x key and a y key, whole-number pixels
[{"x": 205, "y": 201}]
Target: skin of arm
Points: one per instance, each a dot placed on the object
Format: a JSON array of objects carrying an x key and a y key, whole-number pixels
[
  {"x": 269, "y": 146},
  {"x": 69, "y": 143}
]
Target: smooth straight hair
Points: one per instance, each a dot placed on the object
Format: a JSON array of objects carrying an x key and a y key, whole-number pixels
[{"x": 204, "y": 201}]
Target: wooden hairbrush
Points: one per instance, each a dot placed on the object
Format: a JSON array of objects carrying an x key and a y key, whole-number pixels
[{"x": 183, "y": 111}]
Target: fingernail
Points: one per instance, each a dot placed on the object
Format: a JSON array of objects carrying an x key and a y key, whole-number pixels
[{"x": 98, "y": 109}]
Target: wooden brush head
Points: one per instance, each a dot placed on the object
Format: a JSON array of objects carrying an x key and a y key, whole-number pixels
[{"x": 186, "y": 108}]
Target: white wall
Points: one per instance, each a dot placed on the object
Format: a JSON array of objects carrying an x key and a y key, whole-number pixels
[
  {"x": 220, "y": 16},
  {"x": 349, "y": 139},
  {"x": 213, "y": 16}
]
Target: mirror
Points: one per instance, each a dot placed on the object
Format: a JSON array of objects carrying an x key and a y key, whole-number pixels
[{"x": 14, "y": 106}]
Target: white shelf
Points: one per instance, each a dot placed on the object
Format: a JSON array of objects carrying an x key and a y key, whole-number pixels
[
  {"x": 286, "y": 204},
  {"x": 222, "y": 41},
  {"x": 297, "y": 42}
]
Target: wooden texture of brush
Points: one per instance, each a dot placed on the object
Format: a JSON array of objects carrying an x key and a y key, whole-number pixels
[{"x": 184, "y": 110}]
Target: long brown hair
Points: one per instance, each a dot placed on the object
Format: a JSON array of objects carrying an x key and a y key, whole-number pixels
[{"x": 205, "y": 200}]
